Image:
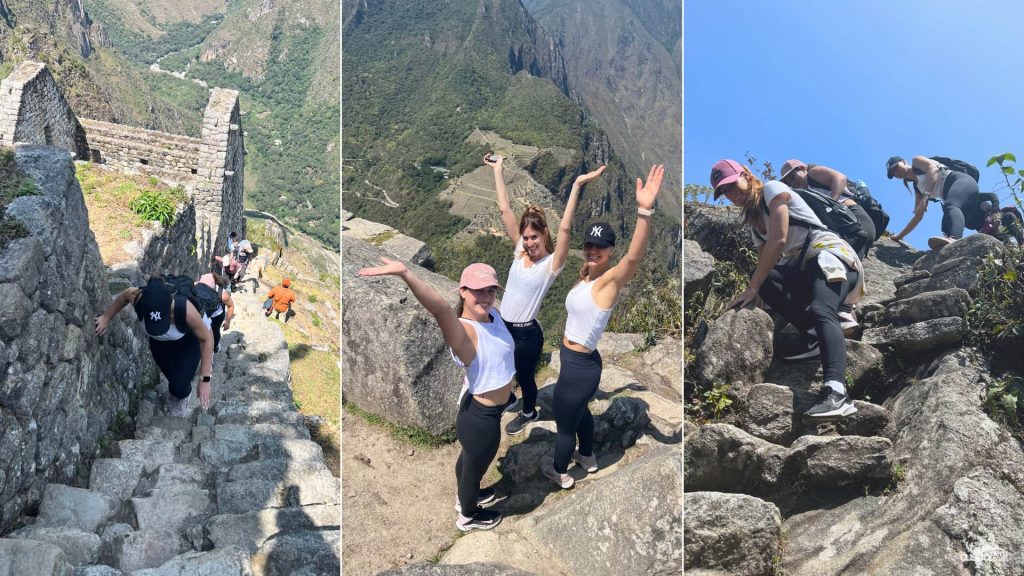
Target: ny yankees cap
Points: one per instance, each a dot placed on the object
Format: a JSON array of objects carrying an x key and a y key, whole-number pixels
[
  {"x": 599, "y": 234},
  {"x": 154, "y": 307}
]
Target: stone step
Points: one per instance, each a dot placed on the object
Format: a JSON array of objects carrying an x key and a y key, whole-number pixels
[
  {"x": 276, "y": 469},
  {"x": 97, "y": 570},
  {"x": 128, "y": 550},
  {"x": 258, "y": 412},
  {"x": 253, "y": 494},
  {"x": 171, "y": 508},
  {"x": 80, "y": 547},
  {"x": 115, "y": 477},
  {"x": 231, "y": 561},
  {"x": 31, "y": 558},
  {"x": 76, "y": 507},
  {"x": 167, "y": 476},
  {"x": 236, "y": 443},
  {"x": 152, "y": 453},
  {"x": 250, "y": 530},
  {"x": 304, "y": 552}
]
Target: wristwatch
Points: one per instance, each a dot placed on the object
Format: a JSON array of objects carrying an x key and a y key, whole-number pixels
[
  {"x": 644, "y": 211},
  {"x": 204, "y": 378}
]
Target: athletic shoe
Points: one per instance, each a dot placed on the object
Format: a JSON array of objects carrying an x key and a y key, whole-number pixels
[
  {"x": 485, "y": 496},
  {"x": 588, "y": 463},
  {"x": 806, "y": 351},
  {"x": 848, "y": 322},
  {"x": 514, "y": 405},
  {"x": 939, "y": 242},
  {"x": 177, "y": 406},
  {"x": 547, "y": 466},
  {"x": 831, "y": 406},
  {"x": 482, "y": 520},
  {"x": 519, "y": 423}
]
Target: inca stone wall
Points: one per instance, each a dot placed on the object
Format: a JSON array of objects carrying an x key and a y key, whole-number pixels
[
  {"x": 167, "y": 156},
  {"x": 211, "y": 168},
  {"x": 33, "y": 111},
  {"x": 61, "y": 387},
  {"x": 221, "y": 165},
  {"x": 161, "y": 251}
]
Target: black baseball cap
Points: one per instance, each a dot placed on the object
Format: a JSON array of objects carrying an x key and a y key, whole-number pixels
[
  {"x": 154, "y": 307},
  {"x": 890, "y": 164},
  {"x": 600, "y": 234}
]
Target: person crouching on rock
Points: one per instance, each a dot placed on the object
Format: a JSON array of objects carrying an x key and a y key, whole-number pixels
[
  {"x": 933, "y": 180},
  {"x": 179, "y": 339},
  {"x": 536, "y": 263},
  {"x": 589, "y": 305},
  {"x": 804, "y": 272},
  {"x": 481, "y": 344}
]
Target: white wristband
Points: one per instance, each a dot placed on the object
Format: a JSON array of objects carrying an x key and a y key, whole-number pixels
[{"x": 644, "y": 211}]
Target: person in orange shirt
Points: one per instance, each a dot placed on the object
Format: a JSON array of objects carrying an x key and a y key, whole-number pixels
[{"x": 280, "y": 299}]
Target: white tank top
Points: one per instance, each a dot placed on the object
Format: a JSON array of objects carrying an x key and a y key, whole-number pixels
[
  {"x": 585, "y": 323},
  {"x": 172, "y": 334},
  {"x": 494, "y": 364},
  {"x": 526, "y": 287}
]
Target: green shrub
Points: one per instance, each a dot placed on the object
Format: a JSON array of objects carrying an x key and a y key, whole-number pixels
[
  {"x": 997, "y": 312},
  {"x": 312, "y": 299},
  {"x": 154, "y": 205}
]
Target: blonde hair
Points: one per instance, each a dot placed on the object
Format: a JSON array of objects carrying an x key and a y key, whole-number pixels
[
  {"x": 752, "y": 208},
  {"x": 534, "y": 218}
]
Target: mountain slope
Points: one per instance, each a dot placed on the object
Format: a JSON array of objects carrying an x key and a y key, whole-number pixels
[{"x": 623, "y": 62}]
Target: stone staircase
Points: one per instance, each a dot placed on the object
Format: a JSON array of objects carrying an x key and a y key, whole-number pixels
[{"x": 236, "y": 490}]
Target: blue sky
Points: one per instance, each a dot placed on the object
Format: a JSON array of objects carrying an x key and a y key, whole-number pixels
[{"x": 848, "y": 84}]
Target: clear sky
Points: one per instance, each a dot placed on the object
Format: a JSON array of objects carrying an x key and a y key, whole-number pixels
[{"x": 850, "y": 83}]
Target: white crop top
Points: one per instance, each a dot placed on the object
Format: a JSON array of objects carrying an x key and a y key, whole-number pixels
[
  {"x": 172, "y": 333},
  {"x": 494, "y": 364},
  {"x": 526, "y": 287},
  {"x": 585, "y": 323}
]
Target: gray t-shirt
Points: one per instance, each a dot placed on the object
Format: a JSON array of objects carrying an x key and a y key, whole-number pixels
[{"x": 799, "y": 210}]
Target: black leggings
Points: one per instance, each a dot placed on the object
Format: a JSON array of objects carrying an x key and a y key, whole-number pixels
[
  {"x": 806, "y": 300},
  {"x": 215, "y": 325},
  {"x": 577, "y": 382},
  {"x": 529, "y": 343},
  {"x": 960, "y": 193},
  {"x": 478, "y": 429},
  {"x": 862, "y": 243},
  {"x": 178, "y": 360}
]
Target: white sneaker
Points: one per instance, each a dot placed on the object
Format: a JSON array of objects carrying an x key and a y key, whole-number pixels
[
  {"x": 177, "y": 406},
  {"x": 547, "y": 466},
  {"x": 848, "y": 322},
  {"x": 588, "y": 463},
  {"x": 939, "y": 242}
]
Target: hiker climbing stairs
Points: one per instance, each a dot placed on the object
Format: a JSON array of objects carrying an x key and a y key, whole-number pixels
[{"x": 239, "y": 489}]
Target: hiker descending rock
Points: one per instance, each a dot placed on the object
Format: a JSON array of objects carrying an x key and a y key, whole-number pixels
[
  {"x": 589, "y": 305},
  {"x": 280, "y": 299},
  {"x": 481, "y": 344},
  {"x": 804, "y": 272},
  {"x": 535, "y": 265},
  {"x": 220, "y": 308},
  {"x": 179, "y": 335},
  {"x": 952, "y": 182},
  {"x": 241, "y": 255}
]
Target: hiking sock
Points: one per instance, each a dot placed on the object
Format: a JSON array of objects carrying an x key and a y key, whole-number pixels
[{"x": 837, "y": 386}]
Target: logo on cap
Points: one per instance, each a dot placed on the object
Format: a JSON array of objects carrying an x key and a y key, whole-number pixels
[
  {"x": 154, "y": 316},
  {"x": 596, "y": 231},
  {"x": 716, "y": 175}
]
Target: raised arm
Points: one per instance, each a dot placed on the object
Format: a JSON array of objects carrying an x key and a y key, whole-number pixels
[
  {"x": 620, "y": 274},
  {"x": 508, "y": 217},
  {"x": 125, "y": 297},
  {"x": 453, "y": 331},
  {"x": 836, "y": 180},
  {"x": 565, "y": 226},
  {"x": 195, "y": 322}
]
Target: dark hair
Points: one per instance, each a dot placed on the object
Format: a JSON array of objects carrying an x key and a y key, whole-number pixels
[
  {"x": 460, "y": 306},
  {"x": 534, "y": 218},
  {"x": 232, "y": 234},
  {"x": 219, "y": 280}
]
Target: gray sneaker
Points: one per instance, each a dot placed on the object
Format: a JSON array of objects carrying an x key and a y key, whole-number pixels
[
  {"x": 831, "y": 406},
  {"x": 177, "y": 406},
  {"x": 547, "y": 466},
  {"x": 588, "y": 463},
  {"x": 518, "y": 424}
]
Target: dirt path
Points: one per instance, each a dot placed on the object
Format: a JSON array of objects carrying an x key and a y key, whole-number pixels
[{"x": 397, "y": 499}]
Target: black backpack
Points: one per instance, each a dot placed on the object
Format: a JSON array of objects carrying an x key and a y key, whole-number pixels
[
  {"x": 209, "y": 299},
  {"x": 835, "y": 215},
  {"x": 862, "y": 196},
  {"x": 958, "y": 166},
  {"x": 181, "y": 291}
]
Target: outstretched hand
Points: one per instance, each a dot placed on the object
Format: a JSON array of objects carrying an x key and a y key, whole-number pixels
[
  {"x": 496, "y": 164},
  {"x": 584, "y": 178},
  {"x": 102, "y": 323},
  {"x": 647, "y": 193},
  {"x": 388, "y": 268}
]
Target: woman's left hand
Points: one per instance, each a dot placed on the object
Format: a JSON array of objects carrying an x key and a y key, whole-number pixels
[
  {"x": 647, "y": 193},
  {"x": 743, "y": 300},
  {"x": 389, "y": 268},
  {"x": 203, "y": 391},
  {"x": 584, "y": 178}
]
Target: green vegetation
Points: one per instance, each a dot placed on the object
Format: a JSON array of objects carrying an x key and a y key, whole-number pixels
[
  {"x": 414, "y": 436},
  {"x": 157, "y": 205},
  {"x": 1004, "y": 399},
  {"x": 13, "y": 184},
  {"x": 139, "y": 47},
  {"x": 711, "y": 405}
]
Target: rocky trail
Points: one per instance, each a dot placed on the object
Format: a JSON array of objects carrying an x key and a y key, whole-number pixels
[
  {"x": 919, "y": 481},
  {"x": 238, "y": 490}
]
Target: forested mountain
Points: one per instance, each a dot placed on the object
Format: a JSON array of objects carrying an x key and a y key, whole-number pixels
[
  {"x": 623, "y": 59},
  {"x": 420, "y": 77}
]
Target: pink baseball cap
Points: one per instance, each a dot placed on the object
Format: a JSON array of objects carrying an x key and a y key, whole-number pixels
[
  {"x": 478, "y": 275},
  {"x": 724, "y": 172},
  {"x": 790, "y": 165}
]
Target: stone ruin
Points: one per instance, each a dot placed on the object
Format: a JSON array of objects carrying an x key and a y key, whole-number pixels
[{"x": 210, "y": 168}]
